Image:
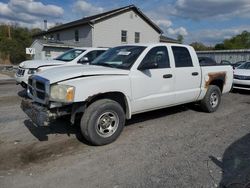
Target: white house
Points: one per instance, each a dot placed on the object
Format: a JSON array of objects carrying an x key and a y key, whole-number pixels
[{"x": 120, "y": 26}]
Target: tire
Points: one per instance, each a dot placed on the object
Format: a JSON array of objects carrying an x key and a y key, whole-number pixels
[
  {"x": 102, "y": 122},
  {"x": 212, "y": 99}
]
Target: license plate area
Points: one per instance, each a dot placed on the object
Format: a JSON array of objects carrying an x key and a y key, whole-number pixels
[{"x": 37, "y": 114}]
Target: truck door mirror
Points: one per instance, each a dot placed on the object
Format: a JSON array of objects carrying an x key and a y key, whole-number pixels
[
  {"x": 83, "y": 60},
  {"x": 147, "y": 65}
]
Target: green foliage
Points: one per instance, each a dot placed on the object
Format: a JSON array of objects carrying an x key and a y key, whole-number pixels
[
  {"x": 13, "y": 41},
  {"x": 198, "y": 46},
  {"x": 180, "y": 39},
  {"x": 241, "y": 41}
]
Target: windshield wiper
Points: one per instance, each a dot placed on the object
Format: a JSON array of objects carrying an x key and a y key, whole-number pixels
[{"x": 105, "y": 65}]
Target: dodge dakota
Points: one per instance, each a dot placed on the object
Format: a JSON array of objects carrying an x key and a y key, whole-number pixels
[{"x": 124, "y": 81}]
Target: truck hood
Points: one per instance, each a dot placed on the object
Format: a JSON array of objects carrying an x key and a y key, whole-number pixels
[
  {"x": 33, "y": 64},
  {"x": 242, "y": 72},
  {"x": 62, "y": 73}
]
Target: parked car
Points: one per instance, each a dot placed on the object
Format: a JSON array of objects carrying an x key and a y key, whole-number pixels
[
  {"x": 207, "y": 61},
  {"x": 225, "y": 62},
  {"x": 237, "y": 64},
  {"x": 242, "y": 77},
  {"x": 70, "y": 57},
  {"x": 124, "y": 81}
]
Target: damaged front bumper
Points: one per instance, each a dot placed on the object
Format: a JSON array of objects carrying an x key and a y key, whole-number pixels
[{"x": 39, "y": 115}]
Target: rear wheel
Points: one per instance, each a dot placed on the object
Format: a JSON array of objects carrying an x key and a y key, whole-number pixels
[
  {"x": 212, "y": 99},
  {"x": 102, "y": 122}
]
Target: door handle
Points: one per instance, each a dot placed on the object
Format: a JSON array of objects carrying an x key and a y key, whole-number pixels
[
  {"x": 195, "y": 73},
  {"x": 167, "y": 76}
]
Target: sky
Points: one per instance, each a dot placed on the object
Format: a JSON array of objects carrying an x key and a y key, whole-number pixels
[{"x": 206, "y": 21}]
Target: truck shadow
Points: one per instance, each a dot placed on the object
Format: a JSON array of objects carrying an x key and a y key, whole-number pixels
[
  {"x": 63, "y": 126},
  {"x": 235, "y": 164},
  {"x": 139, "y": 118}
]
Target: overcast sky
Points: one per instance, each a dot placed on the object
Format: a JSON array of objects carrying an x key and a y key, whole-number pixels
[{"x": 207, "y": 21}]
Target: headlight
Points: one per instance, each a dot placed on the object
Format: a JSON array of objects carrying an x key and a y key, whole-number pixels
[
  {"x": 39, "y": 70},
  {"x": 32, "y": 71},
  {"x": 62, "y": 93}
]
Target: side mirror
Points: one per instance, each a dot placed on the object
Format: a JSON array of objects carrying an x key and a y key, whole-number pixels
[
  {"x": 147, "y": 65},
  {"x": 83, "y": 60}
]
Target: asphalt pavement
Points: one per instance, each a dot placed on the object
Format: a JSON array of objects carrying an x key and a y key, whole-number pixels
[{"x": 174, "y": 147}]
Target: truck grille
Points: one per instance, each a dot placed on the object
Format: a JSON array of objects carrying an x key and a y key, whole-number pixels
[
  {"x": 239, "y": 77},
  {"x": 20, "y": 71},
  {"x": 38, "y": 89}
]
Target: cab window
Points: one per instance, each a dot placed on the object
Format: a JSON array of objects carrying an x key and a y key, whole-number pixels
[
  {"x": 182, "y": 57},
  {"x": 159, "y": 56}
]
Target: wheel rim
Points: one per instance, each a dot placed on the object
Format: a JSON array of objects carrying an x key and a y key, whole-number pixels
[
  {"x": 214, "y": 99},
  {"x": 107, "y": 124}
]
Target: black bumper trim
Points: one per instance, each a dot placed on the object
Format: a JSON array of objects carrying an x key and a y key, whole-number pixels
[{"x": 39, "y": 115}]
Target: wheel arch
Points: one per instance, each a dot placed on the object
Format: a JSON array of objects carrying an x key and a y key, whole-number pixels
[
  {"x": 218, "y": 79},
  {"x": 117, "y": 96}
]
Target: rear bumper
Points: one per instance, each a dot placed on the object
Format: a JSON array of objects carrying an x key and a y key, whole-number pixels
[{"x": 39, "y": 115}]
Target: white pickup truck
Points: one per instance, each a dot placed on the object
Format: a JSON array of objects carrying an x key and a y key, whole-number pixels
[
  {"x": 70, "y": 57},
  {"x": 124, "y": 81}
]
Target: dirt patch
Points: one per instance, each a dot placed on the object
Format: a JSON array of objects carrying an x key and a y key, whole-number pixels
[
  {"x": 9, "y": 100},
  {"x": 25, "y": 156}
]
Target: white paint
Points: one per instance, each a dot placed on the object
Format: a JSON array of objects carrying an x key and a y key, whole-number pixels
[
  {"x": 108, "y": 32},
  {"x": 48, "y": 64},
  {"x": 144, "y": 90}
]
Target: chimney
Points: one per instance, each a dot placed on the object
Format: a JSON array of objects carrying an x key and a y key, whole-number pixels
[{"x": 45, "y": 25}]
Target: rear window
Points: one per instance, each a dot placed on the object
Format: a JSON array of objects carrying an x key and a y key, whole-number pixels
[{"x": 182, "y": 57}]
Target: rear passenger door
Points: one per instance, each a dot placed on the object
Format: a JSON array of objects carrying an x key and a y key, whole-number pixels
[{"x": 187, "y": 75}]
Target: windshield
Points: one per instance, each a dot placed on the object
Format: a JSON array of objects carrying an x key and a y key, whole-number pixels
[
  {"x": 244, "y": 66},
  {"x": 70, "y": 55},
  {"x": 122, "y": 57}
]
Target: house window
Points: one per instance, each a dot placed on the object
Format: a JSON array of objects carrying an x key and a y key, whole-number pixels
[
  {"x": 58, "y": 37},
  {"x": 76, "y": 35},
  {"x": 51, "y": 37},
  {"x": 124, "y": 36},
  {"x": 137, "y": 37}
]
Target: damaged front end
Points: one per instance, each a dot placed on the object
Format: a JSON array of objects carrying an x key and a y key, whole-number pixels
[{"x": 40, "y": 109}]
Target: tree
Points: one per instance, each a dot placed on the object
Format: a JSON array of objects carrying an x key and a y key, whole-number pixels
[
  {"x": 180, "y": 38},
  {"x": 241, "y": 41},
  {"x": 200, "y": 46},
  {"x": 13, "y": 46}
]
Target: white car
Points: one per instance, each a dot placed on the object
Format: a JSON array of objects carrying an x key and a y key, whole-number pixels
[
  {"x": 124, "y": 81},
  {"x": 242, "y": 77},
  {"x": 70, "y": 57}
]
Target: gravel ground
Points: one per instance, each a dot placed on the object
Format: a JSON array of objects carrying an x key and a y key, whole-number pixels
[{"x": 174, "y": 147}]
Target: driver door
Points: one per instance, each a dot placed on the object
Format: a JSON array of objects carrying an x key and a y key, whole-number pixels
[{"x": 154, "y": 87}]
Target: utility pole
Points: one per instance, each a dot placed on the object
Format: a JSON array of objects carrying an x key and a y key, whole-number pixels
[
  {"x": 9, "y": 36},
  {"x": 9, "y": 33}
]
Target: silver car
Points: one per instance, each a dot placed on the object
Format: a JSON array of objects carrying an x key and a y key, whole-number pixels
[{"x": 242, "y": 77}]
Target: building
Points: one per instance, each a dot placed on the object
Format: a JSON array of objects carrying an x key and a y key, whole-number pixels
[
  {"x": 120, "y": 26},
  {"x": 232, "y": 56},
  {"x": 168, "y": 40},
  {"x": 45, "y": 49}
]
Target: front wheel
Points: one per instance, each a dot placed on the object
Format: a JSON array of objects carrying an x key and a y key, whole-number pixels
[
  {"x": 103, "y": 122},
  {"x": 212, "y": 99}
]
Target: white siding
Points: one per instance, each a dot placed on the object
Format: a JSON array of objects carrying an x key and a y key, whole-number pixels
[
  {"x": 68, "y": 36},
  {"x": 107, "y": 33},
  {"x": 38, "y": 50}
]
